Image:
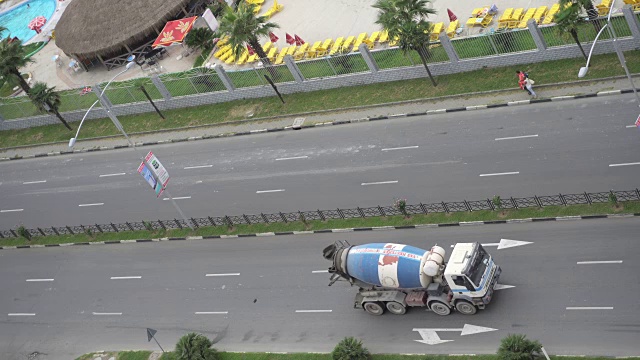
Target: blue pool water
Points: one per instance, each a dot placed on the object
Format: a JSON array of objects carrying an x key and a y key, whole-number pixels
[{"x": 17, "y": 19}]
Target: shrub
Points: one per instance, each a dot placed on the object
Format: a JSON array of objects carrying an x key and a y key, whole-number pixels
[
  {"x": 518, "y": 347},
  {"x": 195, "y": 346},
  {"x": 613, "y": 199},
  {"x": 350, "y": 348},
  {"x": 497, "y": 202},
  {"x": 401, "y": 205},
  {"x": 22, "y": 231}
]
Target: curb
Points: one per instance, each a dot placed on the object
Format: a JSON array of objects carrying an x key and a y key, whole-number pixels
[
  {"x": 344, "y": 230},
  {"x": 337, "y": 122}
]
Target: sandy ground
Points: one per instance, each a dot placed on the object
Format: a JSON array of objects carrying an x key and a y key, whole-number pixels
[{"x": 312, "y": 20}]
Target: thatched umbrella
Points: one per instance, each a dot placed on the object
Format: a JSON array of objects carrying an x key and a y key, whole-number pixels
[{"x": 108, "y": 28}]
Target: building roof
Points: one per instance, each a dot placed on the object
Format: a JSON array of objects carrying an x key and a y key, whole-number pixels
[{"x": 104, "y": 27}]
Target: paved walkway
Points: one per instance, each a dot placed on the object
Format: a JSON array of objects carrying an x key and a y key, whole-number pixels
[{"x": 487, "y": 98}]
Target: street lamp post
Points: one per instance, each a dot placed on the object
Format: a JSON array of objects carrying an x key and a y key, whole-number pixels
[
  {"x": 621, "y": 58},
  {"x": 119, "y": 126}
]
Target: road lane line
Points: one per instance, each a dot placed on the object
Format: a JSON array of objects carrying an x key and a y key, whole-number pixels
[
  {"x": 34, "y": 182},
  {"x": 590, "y": 308},
  {"x": 380, "y": 183},
  {"x": 96, "y": 204},
  {"x": 116, "y": 174},
  {"x": 599, "y": 262},
  {"x": 178, "y": 198},
  {"x": 268, "y": 191},
  {"x": 198, "y": 167},
  {"x": 12, "y": 210},
  {"x": 107, "y": 314},
  {"x": 319, "y": 271},
  {"x": 401, "y": 148},
  {"x": 21, "y": 314},
  {"x": 624, "y": 164},
  {"x": 517, "y": 137},
  {"x": 314, "y": 311},
  {"x": 125, "y": 277},
  {"x": 499, "y": 174},
  {"x": 39, "y": 280},
  {"x": 631, "y": 126},
  {"x": 293, "y": 158},
  {"x": 211, "y": 312},
  {"x": 229, "y": 274}
]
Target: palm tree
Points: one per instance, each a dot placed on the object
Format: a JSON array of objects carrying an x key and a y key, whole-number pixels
[
  {"x": 200, "y": 38},
  {"x": 518, "y": 347},
  {"x": 582, "y": 6},
  {"x": 568, "y": 20},
  {"x": 140, "y": 83},
  {"x": 406, "y": 21},
  {"x": 350, "y": 348},
  {"x": 244, "y": 27},
  {"x": 46, "y": 99},
  {"x": 12, "y": 57},
  {"x": 195, "y": 346}
]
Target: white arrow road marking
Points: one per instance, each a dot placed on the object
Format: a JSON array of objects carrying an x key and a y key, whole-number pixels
[
  {"x": 599, "y": 262},
  {"x": 109, "y": 175},
  {"x": 503, "y": 286},
  {"x": 506, "y": 243},
  {"x": 34, "y": 182},
  {"x": 430, "y": 336},
  {"x": 380, "y": 183}
]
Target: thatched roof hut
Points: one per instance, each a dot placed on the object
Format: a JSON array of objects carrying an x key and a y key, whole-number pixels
[{"x": 104, "y": 29}]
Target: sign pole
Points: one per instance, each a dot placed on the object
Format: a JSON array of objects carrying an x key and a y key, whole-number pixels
[{"x": 151, "y": 335}]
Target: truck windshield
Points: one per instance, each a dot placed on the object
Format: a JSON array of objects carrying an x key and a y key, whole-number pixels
[{"x": 478, "y": 266}]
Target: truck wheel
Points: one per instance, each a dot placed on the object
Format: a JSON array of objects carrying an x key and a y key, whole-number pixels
[
  {"x": 439, "y": 308},
  {"x": 465, "y": 307},
  {"x": 373, "y": 308},
  {"x": 396, "y": 308}
]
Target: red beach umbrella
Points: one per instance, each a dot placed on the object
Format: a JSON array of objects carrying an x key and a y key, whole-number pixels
[
  {"x": 452, "y": 16},
  {"x": 37, "y": 23},
  {"x": 290, "y": 40},
  {"x": 250, "y": 49},
  {"x": 299, "y": 41},
  {"x": 273, "y": 37}
]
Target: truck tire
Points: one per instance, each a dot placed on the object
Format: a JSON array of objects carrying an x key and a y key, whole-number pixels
[
  {"x": 439, "y": 308},
  {"x": 465, "y": 307},
  {"x": 396, "y": 308},
  {"x": 373, "y": 308}
]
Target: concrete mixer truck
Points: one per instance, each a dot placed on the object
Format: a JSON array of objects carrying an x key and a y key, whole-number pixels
[{"x": 396, "y": 276}]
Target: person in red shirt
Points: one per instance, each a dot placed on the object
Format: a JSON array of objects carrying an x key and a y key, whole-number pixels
[{"x": 521, "y": 81}]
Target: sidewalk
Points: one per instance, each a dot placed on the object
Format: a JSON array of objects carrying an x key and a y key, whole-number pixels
[{"x": 338, "y": 115}]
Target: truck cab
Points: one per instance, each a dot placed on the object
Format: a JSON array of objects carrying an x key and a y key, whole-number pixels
[{"x": 471, "y": 273}]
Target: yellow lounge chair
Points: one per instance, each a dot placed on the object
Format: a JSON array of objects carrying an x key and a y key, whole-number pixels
[
  {"x": 506, "y": 15},
  {"x": 313, "y": 52},
  {"x": 515, "y": 18},
  {"x": 603, "y": 7},
  {"x": 256, "y": 9},
  {"x": 272, "y": 54},
  {"x": 302, "y": 50},
  {"x": 221, "y": 51},
  {"x": 548, "y": 19},
  {"x": 384, "y": 37},
  {"x": 361, "y": 37},
  {"x": 374, "y": 36},
  {"x": 243, "y": 58},
  {"x": 292, "y": 50},
  {"x": 226, "y": 55},
  {"x": 336, "y": 45},
  {"x": 255, "y": 2},
  {"x": 369, "y": 43},
  {"x": 528, "y": 15},
  {"x": 252, "y": 58},
  {"x": 540, "y": 13},
  {"x": 451, "y": 29},
  {"x": 230, "y": 60},
  {"x": 281, "y": 55},
  {"x": 435, "y": 31},
  {"x": 267, "y": 46},
  {"x": 394, "y": 42},
  {"x": 348, "y": 43},
  {"x": 327, "y": 43}
]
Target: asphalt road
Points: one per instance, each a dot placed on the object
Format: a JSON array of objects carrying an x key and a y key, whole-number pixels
[
  {"x": 104, "y": 297},
  {"x": 567, "y": 147}
]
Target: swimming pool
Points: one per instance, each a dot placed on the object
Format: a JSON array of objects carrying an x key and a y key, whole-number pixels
[{"x": 17, "y": 18}]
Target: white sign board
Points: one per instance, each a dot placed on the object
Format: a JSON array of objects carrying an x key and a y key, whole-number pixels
[
  {"x": 154, "y": 173},
  {"x": 210, "y": 19}
]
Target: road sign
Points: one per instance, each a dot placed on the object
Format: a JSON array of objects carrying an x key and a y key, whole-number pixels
[
  {"x": 150, "y": 333},
  {"x": 155, "y": 174},
  {"x": 430, "y": 336},
  {"x": 638, "y": 121}
]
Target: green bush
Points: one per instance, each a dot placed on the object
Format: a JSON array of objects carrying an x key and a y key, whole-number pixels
[
  {"x": 497, "y": 202},
  {"x": 195, "y": 346},
  {"x": 350, "y": 348},
  {"x": 22, "y": 231},
  {"x": 518, "y": 347}
]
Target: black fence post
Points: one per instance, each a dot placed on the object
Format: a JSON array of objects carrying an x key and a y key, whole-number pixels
[
  {"x": 41, "y": 232},
  {"x": 246, "y": 218},
  {"x": 213, "y": 223},
  {"x": 361, "y": 212},
  {"x": 115, "y": 228},
  {"x": 562, "y": 199},
  {"x": 13, "y": 233},
  {"x": 514, "y": 203},
  {"x": 129, "y": 226},
  {"x": 340, "y": 213},
  {"x": 284, "y": 218},
  {"x": 538, "y": 201},
  {"x": 55, "y": 231},
  {"x": 264, "y": 217},
  {"x": 99, "y": 228},
  {"x": 467, "y": 205},
  {"x": 321, "y": 215},
  {"x": 1, "y": 236},
  {"x": 178, "y": 223},
  {"x": 491, "y": 206},
  {"x": 446, "y": 208},
  {"x": 424, "y": 209},
  {"x": 194, "y": 222},
  {"x": 381, "y": 211},
  {"x": 162, "y": 225},
  {"x": 70, "y": 231},
  {"x": 586, "y": 196},
  {"x": 638, "y": 193}
]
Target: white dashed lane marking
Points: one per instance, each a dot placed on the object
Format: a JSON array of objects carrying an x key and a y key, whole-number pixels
[
  {"x": 401, "y": 148},
  {"x": 34, "y": 182},
  {"x": 268, "y": 191},
  {"x": 293, "y": 158},
  {"x": 380, "y": 183},
  {"x": 12, "y": 210},
  {"x": 500, "y": 174},
  {"x": 198, "y": 167},
  {"x": 517, "y": 137},
  {"x": 95, "y": 204},
  {"x": 108, "y": 175}
]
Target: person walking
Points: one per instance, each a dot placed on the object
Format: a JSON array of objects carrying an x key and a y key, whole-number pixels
[
  {"x": 521, "y": 81},
  {"x": 528, "y": 84}
]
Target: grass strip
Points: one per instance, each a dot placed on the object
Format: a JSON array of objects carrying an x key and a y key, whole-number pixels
[
  {"x": 306, "y": 356},
  {"x": 432, "y": 218},
  {"x": 118, "y": 355},
  {"x": 453, "y": 84}
]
